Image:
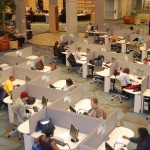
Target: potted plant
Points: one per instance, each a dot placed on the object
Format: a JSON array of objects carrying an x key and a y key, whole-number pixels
[{"x": 4, "y": 5}]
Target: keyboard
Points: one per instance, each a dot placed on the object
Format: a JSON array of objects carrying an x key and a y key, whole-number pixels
[{"x": 59, "y": 141}]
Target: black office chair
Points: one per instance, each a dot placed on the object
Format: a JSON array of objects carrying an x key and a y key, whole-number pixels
[
  {"x": 96, "y": 78},
  {"x": 2, "y": 96},
  {"x": 118, "y": 88},
  {"x": 73, "y": 64}
]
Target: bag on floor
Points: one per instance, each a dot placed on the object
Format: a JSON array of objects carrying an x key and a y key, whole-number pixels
[{"x": 39, "y": 65}]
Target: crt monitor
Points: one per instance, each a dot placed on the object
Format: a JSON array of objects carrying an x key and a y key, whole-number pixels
[
  {"x": 108, "y": 147},
  {"x": 44, "y": 101},
  {"x": 52, "y": 86},
  {"x": 72, "y": 109},
  {"x": 74, "y": 133},
  {"x": 140, "y": 73},
  {"x": 141, "y": 40}
]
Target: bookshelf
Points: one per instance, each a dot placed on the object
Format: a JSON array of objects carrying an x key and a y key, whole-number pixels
[{"x": 86, "y": 6}]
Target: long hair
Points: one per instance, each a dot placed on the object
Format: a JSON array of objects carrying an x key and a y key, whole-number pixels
[{"x": 143, "y": 133}]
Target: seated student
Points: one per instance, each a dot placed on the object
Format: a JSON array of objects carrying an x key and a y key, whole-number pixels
[
  {"x": 77, "y": 54},
  {"x": 19, "y": 107},
  {"x": 8, "y": 85},
  {"x": 69, "y": 85},
  {"x": 56, "y": 49},
  {"x": 145, "y": 61},
  {"x": 131, "y": 29},
  {"x": 46, "y": 142},
  {"x": 53, "y": 67},
  {"x": 124, "y": 78},
  {"x": 96, "y": 111},
  {"x": 99, "y": 60}
]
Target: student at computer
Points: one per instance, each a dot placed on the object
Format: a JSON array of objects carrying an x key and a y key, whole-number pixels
[
  {"x": 96, "y": 111},
  {"x": 46, "y": 142},
  {"x": 53, "y": 67},
  {"x": 99, "y": 60},
  {"x": 8, "y": 85},
  {"x": 69, "y": 85},
  {"x": 77, "y": 54},
  {"x": 143, "y": 140},
  {"x": 19, "y": 107},
  {"x": 145, "y": 61},
  {"x": 124, "y": 78}
]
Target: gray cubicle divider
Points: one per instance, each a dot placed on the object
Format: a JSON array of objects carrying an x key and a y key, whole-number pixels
[
  {"x": 144, "y": 84},
  {"x": 100, "y": 134},
  {"x": 50, "y": 93},
  {"x": 149, "y": 82},
  {"x": 121, "y": 32},
  {"x": 33, "y": 120},
  {"x": 55, "y": 75},
  {"x": 90, "y": 56},
  {"x": 134, "y": 66},
  {"x": 146, "y": 37},
  {"x": 112, "y": 68},
  {"x": 5, "y": 74},
  {"x": 147, "y": 44},
  {"x": 25, "y": 52},
  {"x": 25, "y": 64},
  {"x": 65, "y": 119},
  {"x": 21, "y": 73},
  {"x": 12, "y": 60},
  {"x": 17, "y": 91}
]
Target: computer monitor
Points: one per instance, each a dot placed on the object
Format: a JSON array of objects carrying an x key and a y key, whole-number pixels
[
  {"x": 44, "y": 101},
  {"x": 74, "y": 133},
  {"x": 72, "y": 109},
  {"x": 139, "y": 73},
  {"x": 108, "y": 147},
  {"x": 52, "y": 86},
  {"x": 113, "y": 59}
]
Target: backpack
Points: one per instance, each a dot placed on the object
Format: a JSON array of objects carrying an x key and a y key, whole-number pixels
[
  {"x": 36, "y": 147},
  {"x": 39, "y": 65}
]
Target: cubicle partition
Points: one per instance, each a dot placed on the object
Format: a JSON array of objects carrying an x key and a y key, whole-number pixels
[
  {"x": 38, "y": 92},
  {"x": 46, "y": 79},
  {"x": 144, "y": 84},
  {"x": 69, "y": 99},
  {"x": 64, "y": 119},
  {"x": 21, "y": 73},
  {"x": 100, "y": 134},
  {"x": 121, "y": 32},
  {"x": 145, "y": 37},
  {"x": 5, "y": 74},
  {"x": 12, "y": 60},
  {"x": 25, "y": 52},
  {"x": 30, "y": 63}
]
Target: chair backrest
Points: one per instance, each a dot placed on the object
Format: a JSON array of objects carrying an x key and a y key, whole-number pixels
[
  {"x": 71, "y": 60},
  {"x": 97, "y": 68},
  {"x": 117, "y": 85},
  {"x": 13, "y": 44}
]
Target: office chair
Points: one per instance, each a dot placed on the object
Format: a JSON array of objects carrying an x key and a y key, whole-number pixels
[
  {"x": 97, "y": 78},
  {"x": 15, "y": 129},
  {"x": 2, "y": 96},
  {"x": 74, "y": 66},
  {"x": 118, "y": 88}
]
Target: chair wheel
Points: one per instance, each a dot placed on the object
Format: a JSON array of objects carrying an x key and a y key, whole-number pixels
[
  {"x": 146, "y": 118},
  {"x": 19, "y": 139},
  {"x": 121, "y": 102},
  {"x": 111, "y": 99},
  {"x": 8, "y": 136},
  {"x": 14, "y": 129}
]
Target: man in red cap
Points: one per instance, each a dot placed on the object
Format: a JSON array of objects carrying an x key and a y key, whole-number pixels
[{"x": 19, "y": 107}]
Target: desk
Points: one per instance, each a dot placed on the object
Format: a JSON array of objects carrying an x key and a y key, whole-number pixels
[
  {"x": 60, "y": 84},
  {"x": 105, "y": 73},
  {"x": 18, "y": 81},
  {"x": 145, "y": 94},
  {"x": 9, "y": 101},
  {"x": 32, "y": 57},
  {"x": 59, "y": 132},
  {"x": 83, "y": 105},
  {"x": 116, "y": 138}
]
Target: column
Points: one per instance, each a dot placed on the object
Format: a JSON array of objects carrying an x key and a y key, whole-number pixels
[
  {"x": 71, "y": 17},
  {"x": 20, "y": 16},
  {"x": 53, "y": 16},
  {"x": 138, "y": 6},
  {"x": 99, "y": 14}
]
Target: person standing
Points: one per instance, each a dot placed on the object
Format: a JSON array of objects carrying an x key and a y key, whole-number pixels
[{"x": 8, "y": 85}]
